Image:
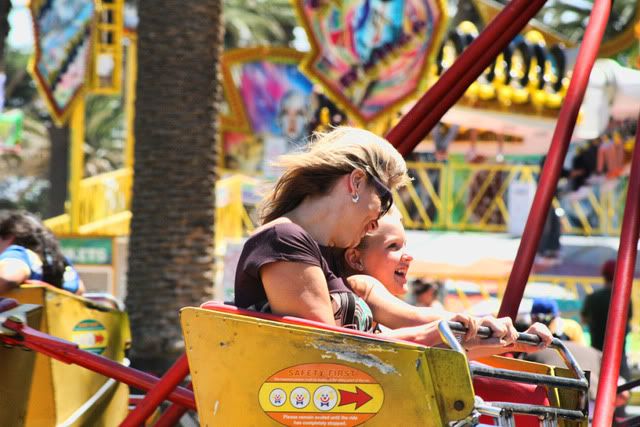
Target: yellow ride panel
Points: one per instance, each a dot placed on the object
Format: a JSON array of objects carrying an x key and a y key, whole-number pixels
[
  {"x": 16, "y": 369},
  {"x": 69, "y": 394},
  {"x": 254, "y": 372}
]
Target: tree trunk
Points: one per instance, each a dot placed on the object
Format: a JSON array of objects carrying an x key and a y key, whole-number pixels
[
  {"x": 172, "y": 242},
  {"x": 5, "y": 8},
  {"x": 58, "y": 170}
]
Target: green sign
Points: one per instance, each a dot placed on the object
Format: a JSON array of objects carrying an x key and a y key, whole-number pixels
[
  {"x": 88, "y": 250},
  {"x": 11, "y": 123}
]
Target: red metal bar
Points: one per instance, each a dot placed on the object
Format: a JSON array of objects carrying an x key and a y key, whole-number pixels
[
  {"x": 172, "y": 415},
  {"x": 169, "y": 381},
  {"x": 553, "y": 165},
  {"x": 620, "y": 296},
  {"x": 134, "y": 399},
  {"x": 70, "y": 353},
  {"x": 416, "y": 124}
]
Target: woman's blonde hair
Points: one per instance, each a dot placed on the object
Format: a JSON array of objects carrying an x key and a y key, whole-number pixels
[{"x": 329, "y": 156}]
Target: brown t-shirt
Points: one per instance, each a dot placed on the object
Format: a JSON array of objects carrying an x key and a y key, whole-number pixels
[{"x": 290, "y": 242}]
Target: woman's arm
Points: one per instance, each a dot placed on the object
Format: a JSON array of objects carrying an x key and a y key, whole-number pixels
[{"x": 297, "y": 289}]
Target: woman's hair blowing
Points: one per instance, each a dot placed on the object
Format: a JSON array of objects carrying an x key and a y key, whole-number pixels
[{"x": 314, "y": 171}]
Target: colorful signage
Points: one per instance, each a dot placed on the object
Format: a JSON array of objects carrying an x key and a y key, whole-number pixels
[
  {"x": 273, "y": 107},
  {"x": 88, "y": 250},
  {"x": 321, "y": 394},
  {"x": 11, "y": 124},
  {"x": 62, "y": 51},
  {"x": 90, "y": 335},
  {"x": 371, "y": 56}
]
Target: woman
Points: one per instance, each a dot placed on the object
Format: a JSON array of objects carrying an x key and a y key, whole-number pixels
[
  {"x": 332, "y": 195},
  {"x": 29, "y": 251}
]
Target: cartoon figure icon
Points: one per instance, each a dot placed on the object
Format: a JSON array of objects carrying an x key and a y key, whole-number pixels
[
  {"x": 325, "y": 398},
  {"x": 300, "y": 397},
  {"x": 277, "y": 397}
]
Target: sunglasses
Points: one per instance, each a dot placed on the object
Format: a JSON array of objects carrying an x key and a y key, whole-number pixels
[{"x": 386, "y": 198}]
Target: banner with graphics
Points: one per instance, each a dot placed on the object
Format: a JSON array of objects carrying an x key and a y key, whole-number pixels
[
  {"x": 272, "y": 108},
  {"x": 59, "y": 66},
  {"x": 370, "y": 55}
]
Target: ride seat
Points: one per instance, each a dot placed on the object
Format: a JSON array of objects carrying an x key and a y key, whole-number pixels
[{"x": 63, "y": 394}]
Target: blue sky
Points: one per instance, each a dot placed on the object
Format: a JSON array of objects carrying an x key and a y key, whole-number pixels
[{"x": 21, "y": 34}]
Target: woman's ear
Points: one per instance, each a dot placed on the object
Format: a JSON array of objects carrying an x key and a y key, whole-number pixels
[
  {"x": 356, "y": 179},
  {"x": 353, "y": 258}
]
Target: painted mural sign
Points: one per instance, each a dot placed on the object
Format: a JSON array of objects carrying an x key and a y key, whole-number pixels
[
  {"x": 370, "y": 55},
  {"x": 272, "y": 107},
  {"x": 62, "y": 51}
]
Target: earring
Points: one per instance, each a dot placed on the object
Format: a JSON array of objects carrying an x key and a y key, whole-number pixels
[
  {"x": 359, "y": 266},
  {"x": 355, "y": 198}
]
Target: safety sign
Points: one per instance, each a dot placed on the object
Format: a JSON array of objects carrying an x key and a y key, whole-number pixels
[{"x": 321, "y": 394}]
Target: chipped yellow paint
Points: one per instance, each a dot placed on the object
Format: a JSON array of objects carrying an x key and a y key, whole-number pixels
[
  {"x": 59, "y": 390},
  {"x": 233, "y": 357}
]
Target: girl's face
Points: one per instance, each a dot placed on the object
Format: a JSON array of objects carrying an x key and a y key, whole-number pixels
[{"x": 385, "y": 256}]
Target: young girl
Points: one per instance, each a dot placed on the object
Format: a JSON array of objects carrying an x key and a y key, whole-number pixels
[{"x": 382, "y": 254}]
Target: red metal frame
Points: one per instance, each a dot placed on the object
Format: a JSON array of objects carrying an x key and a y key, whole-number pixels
[
  {"x": 68, "y": 352},
  {"x": 620, "y": 296},
  {"x": 418, "y": 122},
  {"x": 553, "y": 165},
  {"x": 170, "y": 380},
  {"x": 172, "y": 415}
]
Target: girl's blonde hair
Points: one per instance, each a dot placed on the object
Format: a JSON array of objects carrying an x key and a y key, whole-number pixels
[{"x": 314, "y": 171}]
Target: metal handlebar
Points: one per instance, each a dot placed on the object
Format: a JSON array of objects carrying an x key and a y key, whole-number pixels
[
  {"x": 529, "y": 339},
  {"x": 450, "y": 331}
]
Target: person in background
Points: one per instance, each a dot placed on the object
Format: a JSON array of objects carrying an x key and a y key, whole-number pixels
[
  {"x": 30, "y": 251},
  {"x": 426, "y": 292},
  {"x": 596, "y": 309},
  {"x": 546, "y": 311}
]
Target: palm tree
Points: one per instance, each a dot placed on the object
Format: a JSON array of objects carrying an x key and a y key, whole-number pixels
[
  {"x": 5, "y": 8},
  {"x": 172, "y": 230},
  {"x": 570, "y": 17},
  {"x": 258, "y": 22},
  {"x": 104, "y": 134}
]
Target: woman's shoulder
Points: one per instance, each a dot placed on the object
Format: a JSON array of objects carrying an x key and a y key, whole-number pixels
[
  {"x": 280, "y": 241},
  {"x": 283, "y": 229}
]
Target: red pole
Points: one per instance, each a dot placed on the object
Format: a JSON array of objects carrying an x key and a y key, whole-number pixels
[
  {"x": 169, "y": 381},
  {"x": 416, "y": 124},
  {"x": 620, "y": 296},
  {"x": 172, "y": 415},
  {"x": 553, "y": 165},
  {"x": 69, "y": 353}
]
